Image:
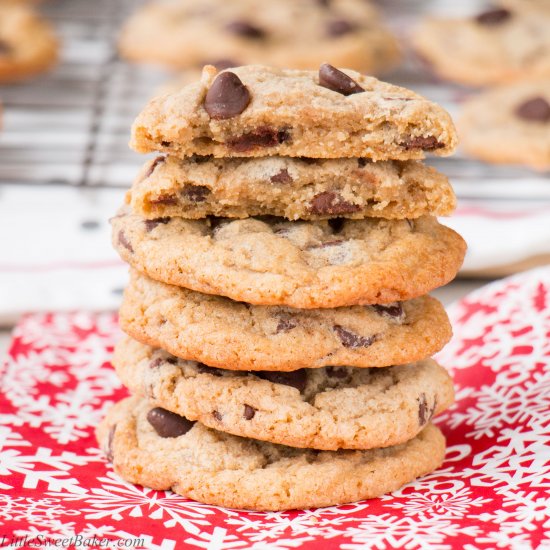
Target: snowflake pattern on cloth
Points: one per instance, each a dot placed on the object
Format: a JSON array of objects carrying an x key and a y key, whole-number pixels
[{"x": 491, "y": 492}]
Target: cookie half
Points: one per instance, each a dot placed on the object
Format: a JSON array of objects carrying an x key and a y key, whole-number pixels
[
  {"x": 28, "y": 44},
  {"x": 308, "y": 264},
  {"x": 161, "y": 450},
  {"x": 496, "y": 46},
  {"x": 258, "y": 111},
  {"x": 197, "y": 187},
  {"x": 289, "y": 33},
  {"x": 328, "y": 408},
  {"x": 510, "y": 124},
  {"x": 238, "y": 336}
]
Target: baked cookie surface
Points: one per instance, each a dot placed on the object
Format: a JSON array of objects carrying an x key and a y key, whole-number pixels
[
  {"x": 161, "y": 450},
  {"x": 302, "y": 264},
  {"x": 257, "y": 111},
  {"x": 299, "y": 34},
  {"x": 233, "y": 335},
  {"x": 326, "y": 408},
  {"x": 28, "y": 44},
  {"x": 494, "y": 47},
  {"x": 510, "y": 124},
  {"x": 197, "y": 187}
]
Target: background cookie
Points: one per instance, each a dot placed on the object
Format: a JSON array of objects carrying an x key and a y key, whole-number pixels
[
  {"x": 27, "y": 43},
  {"x": 197, "y": 187},
  {"x": 327, "y": 408},
  {"x": 233, "y": 335},
  {"x": 299, "y": 264},
  {"x": 165, "y": 451},
  {"x": 262, "y": 111},
  {"x": 510, "y": 124},
  {"x": 289, "y": 33}
]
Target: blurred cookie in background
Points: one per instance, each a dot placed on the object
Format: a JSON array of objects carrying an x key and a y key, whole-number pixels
[
  {"x": 509, "y": 125},
  {"x": 298, "y": 34},
  {"x": 497, "y": 46},
  {"x": 28, "y": 44}
]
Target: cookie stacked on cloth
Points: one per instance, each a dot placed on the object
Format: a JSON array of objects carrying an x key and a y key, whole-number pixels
[{"x": 279, "y": 331}]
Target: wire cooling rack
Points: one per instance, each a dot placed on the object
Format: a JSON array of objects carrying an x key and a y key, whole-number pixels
[{"x": 64, "y": 163}]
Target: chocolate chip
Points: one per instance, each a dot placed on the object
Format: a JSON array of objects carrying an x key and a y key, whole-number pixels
[
  {"x": 109, "y": 453},
  {"x": 331, "y": 203},
  {"x": 286, "y": 323},
  {"x": 351, "y": 340},
  {"x": 166, "y": 143},
  {"x": 166, "y": 200},
  {"x": 156, "y": 363},
  {"x": 261, "y": 137},
  {"x": 494, "y": 17},
  {"x": 200, "y": 159},
  {"x": 336, "y": 224},
  {"x": 337, "y": 81},
  {"x": 428, "y": 143},
  {"x": 152, "y": 166},
  {"x": 281, "y": 177},
  {"x": 391, "y": 310},
  {"x": 361, "y": 162},
  {"x": 151, "y": 224},
  {"x": 204, "y": 369},
  {"x": 249, "y": 412},
  {"x": 167, "y": 423},
  {"x": 195, "y": 193},
  {"x": 123, "y": 241},
  {"x": 214, "y": 222},
  {"x": 335, "y": 372},
  {"x": 5, "y": 48},
  {"x": 217, "y": 415},
  {"x": 536, "y": 109},
  {"x": 308, "y": 160},
  {"x": 227, "y": 97},
  {"x": 422, "y": 409},
  {"x": 296, "y": 379},
  {"x": 245, "y": 29},
  {"x": 340, "y": 27}
]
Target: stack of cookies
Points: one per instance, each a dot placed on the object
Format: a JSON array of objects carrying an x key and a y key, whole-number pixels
[{"x": 279, "y": 331}]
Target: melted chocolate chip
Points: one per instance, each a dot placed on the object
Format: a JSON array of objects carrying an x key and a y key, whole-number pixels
[
  {"x": 261, "y": 137},
  {"x": 336, "y": 224},
  {"x": 331, "y": 203},
  {"x": 337, "y": 81},
  {"x": 151, "y": 224},
  {"x": 123, "y": 241},
  {"x": 536, "y": 109},
  {"x": 109, "y": 453},
  {"x": 245, "y": 29},
  {"x": 308, "y": 160},
  {"x": 391, "y": 310},
  {"x": 217, "y": 415},
  {"x": 281, "y": 177},
  {"x": 166, "y": 143},
  {"x": 167, "y": 423},
  {"x": 227, "y": 96},
  {"x": 167, "y": 200},
  {"x": 249, "y": 412},
  {"x": 422, "y": 409},
  {"x": 286, "y": 323},
  {"x": 351, "y": 340},
  {"x": 152, "y": 166},
  {"x": 340, "y": 27},
  {"x": 214, "y": 222},
  {"x": 195, "y": 193},
  {"x": 361, "y": 162},
  {"x": 335, "y": 372},
  {"x": 296, "y": 379},
  {"x": 494, "y": 17},
  {"x": 428, "y": 143},
  {"x": 200, "y": 159}
]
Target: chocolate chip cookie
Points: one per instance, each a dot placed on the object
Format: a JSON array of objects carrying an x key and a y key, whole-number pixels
[
  {"x": 159, "y": 449},
  {"x": 298, "y": 34},
  {"x": 28, "y": 44},
  {"x": 197, "y": 187},
  {"x": 327, "y": 408},
  {"x": 302, "y": 264},
  {"x": 233, "y": 335},
  {"x": 496, "y": 46},
  {"x": 510, "y": 124},
  {"x": 257, "y": 111}
]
